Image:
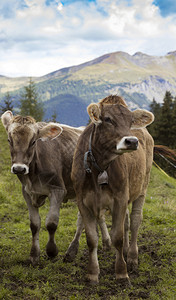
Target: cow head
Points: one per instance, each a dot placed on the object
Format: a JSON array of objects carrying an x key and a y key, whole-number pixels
[
  {"x": 23, "y": 132},
  {"x": 114, "y": 121}
]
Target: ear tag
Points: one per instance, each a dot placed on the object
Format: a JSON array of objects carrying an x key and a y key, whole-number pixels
[{"x": 103, "y": 178}]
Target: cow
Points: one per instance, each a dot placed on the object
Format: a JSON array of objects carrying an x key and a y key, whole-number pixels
[
  {"x": 41, "y": 155},
  {"x": 111, "y": 169}
]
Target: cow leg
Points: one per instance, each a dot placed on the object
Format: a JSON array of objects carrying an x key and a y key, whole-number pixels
[
  {"x": 73, "y": 248},
  {"x": 135, "y": 221},
  {"x": 52, "y": 220},
  {"x": 74, "y": 245},
  {"x": 106, "y": 240},
  {"x": 35, "y": 224},
  {"x": 126, "y": 235},
  {"x": 92, "y": 242},
  {"x": 117, "y": 236}
]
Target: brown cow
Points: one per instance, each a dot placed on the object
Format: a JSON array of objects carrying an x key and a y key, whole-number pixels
[
  {"x": 43, "y": 166},
  {"x": 104, "y": 178}
]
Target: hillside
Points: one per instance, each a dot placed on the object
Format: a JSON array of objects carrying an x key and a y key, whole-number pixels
[
  {"x": 53, "y": 279},
  {"x": 138, "y": 78},
  {"x": 72, "y": 110}
]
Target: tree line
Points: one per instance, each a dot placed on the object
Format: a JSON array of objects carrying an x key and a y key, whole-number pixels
[
  {"x": 29, "y": 102},
  {"x": 163, "y": 129}
]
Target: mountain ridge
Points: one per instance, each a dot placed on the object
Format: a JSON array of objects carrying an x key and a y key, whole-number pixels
[{"x": 138, "y": 78}]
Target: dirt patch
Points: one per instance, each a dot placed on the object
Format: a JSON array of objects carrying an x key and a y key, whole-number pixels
[
  {"x": 108, "y": 286},
  {"x": 68, "y": 280}
]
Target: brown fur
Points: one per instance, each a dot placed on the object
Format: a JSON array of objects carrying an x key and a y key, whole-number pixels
[
  {"x": 113, "y": 99},
  {"x": 44, "y": 168},
  {"x": 128, "y": 176},
  {"x": 23, "y": 120}
]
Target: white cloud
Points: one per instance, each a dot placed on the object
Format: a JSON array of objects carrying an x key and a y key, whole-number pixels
[{"x": 36, "y": 39}]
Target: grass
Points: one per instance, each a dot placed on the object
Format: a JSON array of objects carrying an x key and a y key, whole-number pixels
[{"x": 53, "y": 279}]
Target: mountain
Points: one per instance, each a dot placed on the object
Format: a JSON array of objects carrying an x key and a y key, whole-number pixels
[
  {"x": 72, "y": 110},
  {"x": 138, "y": 78}
]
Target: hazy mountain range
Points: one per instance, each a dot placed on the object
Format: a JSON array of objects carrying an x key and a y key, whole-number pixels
[{"x": 138, "y": 78}]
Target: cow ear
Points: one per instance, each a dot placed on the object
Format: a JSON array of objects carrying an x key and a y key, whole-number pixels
[
  {"x": 51, "y": 131},
  {"x": 141, "y": 118},
  {"x": 6, "y": 118},
  {"x": 94, "y": 113}
]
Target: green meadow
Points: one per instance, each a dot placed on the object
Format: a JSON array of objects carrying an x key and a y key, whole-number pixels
[{"x": 54, "y": 279}]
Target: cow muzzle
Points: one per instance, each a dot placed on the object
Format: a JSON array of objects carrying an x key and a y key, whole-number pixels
[
  {"x": 20, "y": 169},
  {"x": 127, "y": 143}
]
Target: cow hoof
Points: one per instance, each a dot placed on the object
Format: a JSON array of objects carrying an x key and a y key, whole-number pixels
[
  {"x": 34, "y": 260},
  {"x": 92, "y": 279},
  {"x": 34, "y": 255},
  {"x": 132, "y": 266},
  {"x": 71, "y": 252},
  {"x": 69, "y": 257},
  {"x": 51, "y": 250}
]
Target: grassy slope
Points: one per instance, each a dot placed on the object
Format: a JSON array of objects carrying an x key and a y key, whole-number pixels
[{"x": 155, "y": 279}]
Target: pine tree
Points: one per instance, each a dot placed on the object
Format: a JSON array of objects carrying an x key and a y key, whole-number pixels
[
  {"x": 54, "y": 117},
  {"x": 153, "y": 128},
  {"x": 163, "y": 129},
  {"x": 165, "y": 122},
  {"x": 7, "y": 105},
  {"x": 173, "y": 126},
  {"x": 30, "y": 103}
]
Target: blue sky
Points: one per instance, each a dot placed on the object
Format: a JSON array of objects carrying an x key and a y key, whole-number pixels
[
  {"x": 167, "y": 7},
  {"x": 41, "y": 36}
]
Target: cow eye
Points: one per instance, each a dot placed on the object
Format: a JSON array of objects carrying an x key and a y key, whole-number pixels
[{"x": 108, "y": 120}]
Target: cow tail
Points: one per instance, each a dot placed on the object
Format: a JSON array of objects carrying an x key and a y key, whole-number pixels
[{"x": 165, "y": 151}]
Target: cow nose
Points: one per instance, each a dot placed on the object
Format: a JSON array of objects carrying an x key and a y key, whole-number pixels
[
  {"x": 131, "y": 143},
  {"x": 19, "y": 169}
]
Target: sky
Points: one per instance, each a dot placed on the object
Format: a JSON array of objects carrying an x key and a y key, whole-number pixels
[{"x": 41, "y": 36}]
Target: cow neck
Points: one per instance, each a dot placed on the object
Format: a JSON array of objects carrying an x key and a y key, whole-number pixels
[{"x": 103, "y": 176}]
